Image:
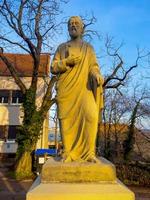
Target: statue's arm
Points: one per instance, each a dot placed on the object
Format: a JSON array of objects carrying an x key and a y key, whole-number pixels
[
  {"x": 95, "y": 72},
  {"x": 58, "y": 65},
  {"x": 94, "y": 67}
]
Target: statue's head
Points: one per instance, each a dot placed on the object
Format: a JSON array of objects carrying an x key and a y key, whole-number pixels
[{"x": 75, "y": 26}]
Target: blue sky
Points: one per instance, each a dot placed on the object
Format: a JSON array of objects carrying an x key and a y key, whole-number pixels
[{"x": 126, "y": 20}]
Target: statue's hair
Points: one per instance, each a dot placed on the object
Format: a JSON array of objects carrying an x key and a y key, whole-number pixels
[{"x": 79, "y": 19}]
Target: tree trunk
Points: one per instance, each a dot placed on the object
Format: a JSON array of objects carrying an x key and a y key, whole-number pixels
[
  {"x": 23, "y": 167},
  {"x": 130, "y": 140}
]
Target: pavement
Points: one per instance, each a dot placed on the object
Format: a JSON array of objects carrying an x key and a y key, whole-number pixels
[{"x": 11, "y": 189}]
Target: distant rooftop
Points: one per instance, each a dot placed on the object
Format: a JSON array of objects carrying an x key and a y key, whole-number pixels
[{"x": 24, "y": 64}]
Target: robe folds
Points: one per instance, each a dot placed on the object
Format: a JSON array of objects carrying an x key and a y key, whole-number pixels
[{"x": 78, "y": 101}]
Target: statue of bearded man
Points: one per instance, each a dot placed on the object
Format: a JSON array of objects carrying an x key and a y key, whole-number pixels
[{"x": 79, "y": 94}]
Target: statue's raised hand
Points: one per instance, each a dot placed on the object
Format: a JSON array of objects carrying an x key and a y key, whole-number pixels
[{"x": 72, "y": 60}]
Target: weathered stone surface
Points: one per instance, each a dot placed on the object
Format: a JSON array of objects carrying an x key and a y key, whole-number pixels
[
  {"x": 73, "y": 172},
  {"x": 81, "y": 191}
]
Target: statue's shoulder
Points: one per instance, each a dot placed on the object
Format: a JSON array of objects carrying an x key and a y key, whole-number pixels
[
  {"x": 62, "y": 46},
  {"x": 88, "y": 45}
]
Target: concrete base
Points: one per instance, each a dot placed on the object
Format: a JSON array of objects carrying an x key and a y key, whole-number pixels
[
  {"x": 78, "y": 180},
  {"x": 81, "y": 191},
  {"x": 78, "y": 172}
]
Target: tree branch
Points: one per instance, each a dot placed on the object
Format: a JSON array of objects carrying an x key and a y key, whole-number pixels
[
  {"x": 14, "y": 43},
  {"x": 116, "y": 79},
  {"x": 21, "y": 32},
  {"x": 48, "y": 95}
]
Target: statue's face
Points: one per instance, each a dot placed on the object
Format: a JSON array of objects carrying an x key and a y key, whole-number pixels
[{"x": 75, "y": 28}]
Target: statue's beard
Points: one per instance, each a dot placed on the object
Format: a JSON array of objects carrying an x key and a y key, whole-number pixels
[
  {"x": 74, "y": 32},
  {"x": 74, "y": 28}
]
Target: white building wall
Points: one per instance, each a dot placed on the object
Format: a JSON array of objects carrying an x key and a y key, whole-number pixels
[
  {"x": 8, "y": 147},
  {"x": 8, "y": 83},
  {"x": 12, "y": 114}
]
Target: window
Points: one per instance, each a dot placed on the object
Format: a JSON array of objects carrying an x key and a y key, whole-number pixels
[
  {"x": 17, "y": 96},
  {"x": 51, "y": 136},
  {"x": 12, "y": 132},
  {"x": 4, "y": 96},
  {"x": 11, "y": 96},
  {"x": 8, "y": 132}
]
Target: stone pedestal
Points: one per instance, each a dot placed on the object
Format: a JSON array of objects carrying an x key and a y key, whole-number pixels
[
  {"x": 77, "y": 180},
  {"x": 78, "y": 172}
]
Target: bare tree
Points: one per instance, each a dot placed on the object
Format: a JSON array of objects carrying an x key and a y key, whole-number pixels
[
  {"x": 119, "y": 71},
  {"x": 27, "y": 25},
  {"x": 139, "y": 109},
  {"x": 115, "y": 120},
  {"x": 122, "y": 122},
  {"x": 117, "y": 102}
]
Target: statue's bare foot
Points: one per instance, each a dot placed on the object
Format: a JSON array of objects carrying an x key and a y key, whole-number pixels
[
  {"x": 67, "y": 159},
  {"x": 93, "y": 159}
]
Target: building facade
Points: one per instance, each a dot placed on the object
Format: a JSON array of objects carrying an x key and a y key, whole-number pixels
[{"x": 11, "y": 113}]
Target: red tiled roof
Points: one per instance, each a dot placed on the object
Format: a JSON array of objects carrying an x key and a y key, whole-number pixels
[{"x": 24, "y": 64}]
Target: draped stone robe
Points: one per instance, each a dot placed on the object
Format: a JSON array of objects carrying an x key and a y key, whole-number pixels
[{"x": 78, "y": 109}]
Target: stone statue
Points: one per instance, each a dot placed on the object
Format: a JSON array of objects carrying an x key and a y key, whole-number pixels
[{"x": 79, "y": 94}]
